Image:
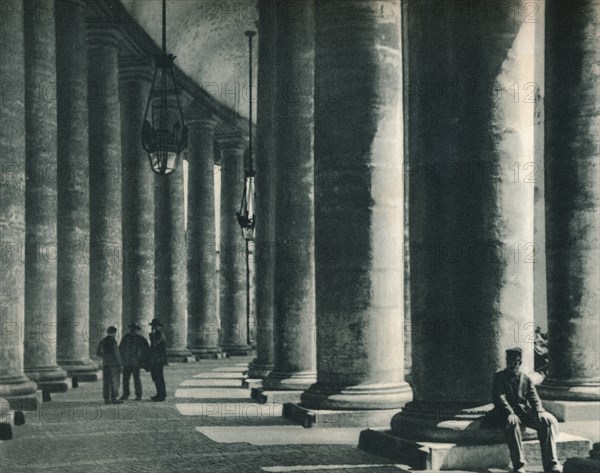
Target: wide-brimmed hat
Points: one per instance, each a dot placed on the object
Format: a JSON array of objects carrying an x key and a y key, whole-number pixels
[
  {"x": 134, "y": 326},
  {"x": 156, "y": 323}
]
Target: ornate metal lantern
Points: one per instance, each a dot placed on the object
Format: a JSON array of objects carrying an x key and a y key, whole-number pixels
[
  {"x": 164, "y": 134},
  {"x": 246, "y": 217}
]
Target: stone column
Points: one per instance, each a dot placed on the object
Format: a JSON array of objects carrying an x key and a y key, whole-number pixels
[
  {"x": 170, "y": 278},
  {"x": 572, "y": 153},
  {"x": 265, "y": 199},
  {"x": 203, "y": 318},
  {"x": 106, "y": 275},
  {"x": 135, "y": 76},
  {"x": 41, "y": 201},
  {"x": 14, "y": 385},
  {"x": 232, "y": 248},
  {"x": 471, "y": 216},
  {"x": 294, "y": 267},
  {"x": 73, "y": 226},
  {"x": 359, "y": 211}
]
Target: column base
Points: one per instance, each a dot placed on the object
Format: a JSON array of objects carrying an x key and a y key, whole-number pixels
[
  {"x": 20, "y": 393},
  {"x": 49, "y": 379},
  {"x": 362, "y": 397},
  {"x": 81, "y": 370},
  {"x": 237, "y": 350},
  {"x": 207, "y": 353},
  {"x": 263, "y": 396},
  {"x": 179, "y": 355},
  {"x": 337, "y": 418},
  {"x": 575, "y": 390},
  {"x": 452, "y": 456},
  {"x": 281, "y": 381},
  {"x": 573, "y": 411},
  {"x": 259, "y": 370}
]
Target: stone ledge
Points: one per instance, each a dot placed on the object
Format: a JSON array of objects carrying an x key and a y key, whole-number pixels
[
  {"x": 6, "y": 421},
  {"x": 277, "y": 397},
  {"x": 449, "y": 456},
  {"x": 582, "y": 465},
  {"x": 572, "y": 411},
  {"x": 338, "y": 418}
]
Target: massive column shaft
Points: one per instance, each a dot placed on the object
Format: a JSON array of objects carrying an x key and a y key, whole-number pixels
[
  {"x": 572, "y": 154},
  {"x": 232, "y": 249},
  {"x": 294, "y": 270},
  {"x": 203, "y": 318},
  {"x": 73, "y": 228},
  {"x": 359, "y": 209},
  {"x": 265, "y": 199},
  {"x": 14, "y": 385},
  {"x": 471, "y": 215},
  {"x": 41, "y": 202},
  {"x": 170, "y": 278},
  {"x": 106, "y": 283},
  {"x": 135, "y": 75}
]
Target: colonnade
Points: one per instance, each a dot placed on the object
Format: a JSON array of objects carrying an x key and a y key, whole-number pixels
[
  {"x": 337, "y": 140},
  {"x": 90, "y": 238}
]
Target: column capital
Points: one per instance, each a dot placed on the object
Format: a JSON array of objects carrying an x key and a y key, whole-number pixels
[
  {"x": 198, "y": 121},
  {"x": 232, "y": 140},
  {"x": 103, "y": 35},
  {"x": 135, "y": 68}
]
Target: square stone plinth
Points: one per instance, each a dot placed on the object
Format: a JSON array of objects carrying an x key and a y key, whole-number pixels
[
  {"x": 450, "y": 456},
  {"x": 278, "y": 397},
  {"x": 252, "y": 383},
  {"x": 573, "y": 411},
  {"x": 338, "y": 418},
  {"x": 210, "y": 356}
]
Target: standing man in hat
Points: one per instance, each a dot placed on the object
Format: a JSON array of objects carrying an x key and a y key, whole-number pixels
[
  {"x": 158, "y": 360},
  {"x": 108, "y": 350},
  {"x": 133, "y": 349},
  {"x": 516, "y": 403}
]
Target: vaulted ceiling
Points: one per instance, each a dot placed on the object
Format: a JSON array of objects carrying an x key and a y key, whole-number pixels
[{"x": 208, "y": 39}]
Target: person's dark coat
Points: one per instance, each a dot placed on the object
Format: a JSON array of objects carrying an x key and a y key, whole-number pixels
[
  {"x": 108, "y": 350},
  {"x": 158, "y": 350},
  {"x": 134, "y": 350},
  {"x": 513, "y": 395}
]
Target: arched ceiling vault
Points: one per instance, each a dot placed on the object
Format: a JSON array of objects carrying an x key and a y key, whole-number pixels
[{"x": 208, "y": 39}]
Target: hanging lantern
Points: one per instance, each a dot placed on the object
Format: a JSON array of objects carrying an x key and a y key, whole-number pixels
[
  {"x": 246, "y": 217},
  {"x": 164, "y": 134}
]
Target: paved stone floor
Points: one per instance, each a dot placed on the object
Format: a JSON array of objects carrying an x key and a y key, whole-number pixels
[{"x": 208, "y": 424}]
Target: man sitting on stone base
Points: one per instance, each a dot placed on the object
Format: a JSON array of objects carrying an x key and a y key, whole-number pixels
[{"x": 516, "y": 403}]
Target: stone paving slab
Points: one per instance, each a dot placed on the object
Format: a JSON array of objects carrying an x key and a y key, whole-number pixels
[
  {"x": 212, "y": 383},
  {"x": 283, "y": 435},
  {"x": 212, "y": 393},
  {"x": 219, "y": 375},
  {"x": 230, "y": 369}
]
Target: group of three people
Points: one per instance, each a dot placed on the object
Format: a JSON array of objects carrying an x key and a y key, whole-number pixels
[{"x": 128, "y": 357}]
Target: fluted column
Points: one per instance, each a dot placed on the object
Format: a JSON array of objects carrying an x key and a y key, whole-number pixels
[
  {"x": 73, "y": 227},
  {"x": 572, "y": 156},
  {"x": 203, "y": 318},
  {"x": 135, "y": 75},
  {"x": 41, "y": 203},
  {"x": 232, "y": 248},
  {"x": 359, "y": 210},
  {"x": 170, "y": 275},
  {"x": 106, "y": 275},
  {"x": 14, "y": 385},
  {"x": 471, "y": 219},
  {"x": 295, "y": 360},
  {"x": 265, "y": 199}
]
